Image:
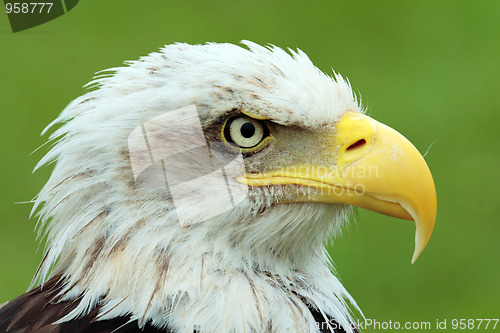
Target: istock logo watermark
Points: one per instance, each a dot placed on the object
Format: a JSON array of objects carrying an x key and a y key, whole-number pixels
[
  {"x": 28, "y": 14},
  {"x": 170, "y": 153}
]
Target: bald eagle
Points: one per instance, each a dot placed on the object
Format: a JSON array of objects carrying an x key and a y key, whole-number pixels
[{"x": 194, "y": 190}]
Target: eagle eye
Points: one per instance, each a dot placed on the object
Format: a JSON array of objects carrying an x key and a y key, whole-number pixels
[{"x": 245, "y": 132}]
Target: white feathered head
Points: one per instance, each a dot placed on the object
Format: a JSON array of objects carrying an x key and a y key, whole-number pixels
[{"x": 198, "y": 168}]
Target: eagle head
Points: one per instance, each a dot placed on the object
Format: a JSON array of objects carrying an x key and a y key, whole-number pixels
[{"x": 196, "y": 187}]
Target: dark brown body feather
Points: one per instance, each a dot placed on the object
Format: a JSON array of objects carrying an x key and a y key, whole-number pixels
[{"x": 37, "y": 310}]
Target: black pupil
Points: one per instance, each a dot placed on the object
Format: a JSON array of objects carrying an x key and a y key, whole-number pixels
[{"x": 247, "y": 130}]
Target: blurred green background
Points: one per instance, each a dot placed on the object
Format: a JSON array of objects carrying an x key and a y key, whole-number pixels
[{"x": 430, "y": 69}]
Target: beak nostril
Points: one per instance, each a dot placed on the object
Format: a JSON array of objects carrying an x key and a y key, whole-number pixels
[{"x": 357, "y": 144}]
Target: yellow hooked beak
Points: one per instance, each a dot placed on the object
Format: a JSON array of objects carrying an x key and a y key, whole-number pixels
[{"x": 377, "y": 168}]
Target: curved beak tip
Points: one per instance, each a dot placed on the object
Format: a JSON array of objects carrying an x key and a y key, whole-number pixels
[
  {"x": 423, "y": 233},
  {"x": 416, "y": 254}
]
